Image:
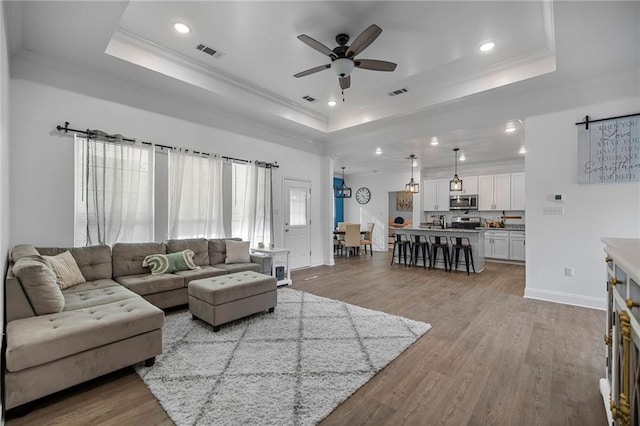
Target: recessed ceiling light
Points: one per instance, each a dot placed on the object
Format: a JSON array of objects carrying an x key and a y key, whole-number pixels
[
  {"x": 523, "y": 150},
  {"x": 510, "y": 128},
  {"x": 181, "y": 28},
  {"x": 487, "y": 46},
  {"x": 378, "y": 151},
  {"x": 434, "y": 141},
  {"x": 332, "y": 103}
]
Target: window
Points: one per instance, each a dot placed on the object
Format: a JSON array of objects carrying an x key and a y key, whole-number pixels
[
  {"x": 298, "y": 207},
  {"x": 195, "y": 196},
  {"x": 113, "y": 192},
  {"x": 251, "y": 203}
]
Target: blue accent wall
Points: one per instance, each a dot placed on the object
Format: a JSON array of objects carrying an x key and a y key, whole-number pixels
[{"x": 338, "y": 204}]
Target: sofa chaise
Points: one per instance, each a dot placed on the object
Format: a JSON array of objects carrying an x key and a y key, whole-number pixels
[{"x": 112, "y": 320}]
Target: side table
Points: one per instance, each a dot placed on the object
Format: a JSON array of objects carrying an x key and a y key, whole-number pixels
[{"x": 279, "y": 259}]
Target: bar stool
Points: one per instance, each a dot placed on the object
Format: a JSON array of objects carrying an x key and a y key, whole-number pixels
[
  {"x": 402, "y": 242},
  {"x": 462, "y": 243},
  {"x": 418, "y": 243},
  {"x": 440, "y": 242}
]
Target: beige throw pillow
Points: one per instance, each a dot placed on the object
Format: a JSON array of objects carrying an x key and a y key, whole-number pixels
[
  {"x": 66, "y": 269},
  {"x": 237, "y": 252},
  {"x": 39, "y": 284}
]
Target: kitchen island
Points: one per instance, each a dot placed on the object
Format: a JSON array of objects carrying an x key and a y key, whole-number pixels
[{"x": 476, "y": 239}]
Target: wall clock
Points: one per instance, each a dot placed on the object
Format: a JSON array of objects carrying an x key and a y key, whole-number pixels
[{"x": 363, "y": 195}]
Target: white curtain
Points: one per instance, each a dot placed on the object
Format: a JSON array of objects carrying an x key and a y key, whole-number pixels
[
  {"x": 113, "y": 191},
  {"x": 252, "y": 207},
  {"x": 195, "y": 195}
]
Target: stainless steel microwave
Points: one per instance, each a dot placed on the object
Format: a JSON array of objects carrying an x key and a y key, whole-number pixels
[{"x": 463, "y": 202}]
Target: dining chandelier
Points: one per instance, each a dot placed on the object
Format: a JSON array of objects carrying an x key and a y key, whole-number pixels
[
  {"x": 455, "y": 184},
  {"x": 342, "y": 191},
  {"x": 412, "y": 186}
]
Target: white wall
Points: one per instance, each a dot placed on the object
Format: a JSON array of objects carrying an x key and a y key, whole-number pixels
[
  {"x": 42, "y": 161},
  {"x": 377, "y": 210},
  {"x": 4, "y": 165},
  {"x": 591, "y": 211}
]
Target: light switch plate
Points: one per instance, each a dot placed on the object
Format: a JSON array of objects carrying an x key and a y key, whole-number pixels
[{"x": 553, "y": 210}]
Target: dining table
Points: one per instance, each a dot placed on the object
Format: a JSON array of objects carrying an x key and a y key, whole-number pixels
[{"x": 336, "y": 232}]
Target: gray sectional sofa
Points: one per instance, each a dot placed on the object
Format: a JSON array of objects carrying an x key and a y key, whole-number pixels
[{"x": 111, "y": 321}]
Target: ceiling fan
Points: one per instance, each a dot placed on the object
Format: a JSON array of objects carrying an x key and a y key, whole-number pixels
[{"x": 343, "y": 57}]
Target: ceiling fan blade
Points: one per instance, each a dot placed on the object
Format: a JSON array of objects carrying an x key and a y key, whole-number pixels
[
  {"x": 312, "y": 71},
  {"x": 345, "y": 82},
  {"x": 375, "y": 65},
  {"x": 364, "y": 40},
  {"x": 315, "y": 44}
]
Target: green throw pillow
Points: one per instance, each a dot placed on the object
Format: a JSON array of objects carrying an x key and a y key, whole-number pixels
[{"x": 169, "y": 263}]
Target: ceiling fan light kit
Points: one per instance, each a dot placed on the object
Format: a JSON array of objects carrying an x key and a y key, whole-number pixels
[
  {"x": 342, "y": 67},
  {"x": 343, "y": 57},
  {"x": 455, "y": 184},
  {"x": 413, "y": 186}
]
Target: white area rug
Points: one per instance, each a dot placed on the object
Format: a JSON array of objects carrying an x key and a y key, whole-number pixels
[{"x": 290, "y": 367}]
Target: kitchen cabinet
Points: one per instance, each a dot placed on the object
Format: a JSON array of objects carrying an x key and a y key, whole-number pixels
[
  {"x": 517, "y": 191},
  {"x": 494, "y": 192},
  {"x": 496, "y": 244},
  {"x": 517, "y": 245},
  {"x": 435, "y": 195},
  {"x": 469, "y": 186}
]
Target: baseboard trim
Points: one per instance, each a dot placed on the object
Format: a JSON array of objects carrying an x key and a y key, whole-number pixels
[{"x": 566, "y": 298}]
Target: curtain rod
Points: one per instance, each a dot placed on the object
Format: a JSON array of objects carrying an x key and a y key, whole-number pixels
[
  {"x": 587, "y": 119},
  {"x": 91, "y": 134}
]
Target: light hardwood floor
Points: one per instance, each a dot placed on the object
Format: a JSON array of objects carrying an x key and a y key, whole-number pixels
[{"x": 491, "y": 358}]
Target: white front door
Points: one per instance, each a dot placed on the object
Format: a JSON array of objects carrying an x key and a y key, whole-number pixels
[{"x": 297, "y": 222}]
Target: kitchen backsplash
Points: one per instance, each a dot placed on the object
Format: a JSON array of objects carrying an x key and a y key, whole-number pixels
[{"x": 494, "y": 216}]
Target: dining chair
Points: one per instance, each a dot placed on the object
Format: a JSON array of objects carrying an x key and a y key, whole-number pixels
[
  {"x": 352, "y": 238},
  {"x": 367, "y": 240},
  {"x": 341, "y": 227}
]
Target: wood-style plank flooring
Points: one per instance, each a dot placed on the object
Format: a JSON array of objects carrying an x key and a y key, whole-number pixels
[{"x": 491, "y": 358}]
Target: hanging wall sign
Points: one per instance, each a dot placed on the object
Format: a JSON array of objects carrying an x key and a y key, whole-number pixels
[{"x": 609, "y": 150}]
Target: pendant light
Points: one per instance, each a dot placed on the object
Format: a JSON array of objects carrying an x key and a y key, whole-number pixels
[
  {"x": 455, "y": 184},
  {"x": 412, "y": 187},
  {"x": 342, "y": 191}
]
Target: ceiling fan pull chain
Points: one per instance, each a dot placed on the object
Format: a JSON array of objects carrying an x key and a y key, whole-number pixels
[{"x": 343, "y": 96}]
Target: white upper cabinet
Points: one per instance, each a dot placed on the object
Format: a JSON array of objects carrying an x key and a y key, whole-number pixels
[
  {"x": 469, "y": 186},
  {"x": 494, "y": 192},
  {"x": 435, "y": 195},
  {"x": 517, "y": 191},
  {"x": 502, "y": 192},
  {"x": 485, "y": 192}
]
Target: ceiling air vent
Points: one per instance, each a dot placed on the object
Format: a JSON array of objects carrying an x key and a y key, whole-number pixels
[
  {"x": 398, "y": 92},
  {"x": 309, "y": 98},
  {"x": 209, "y": 50}
]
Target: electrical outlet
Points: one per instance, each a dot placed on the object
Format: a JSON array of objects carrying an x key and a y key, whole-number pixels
[{"x": 568, "y": 271}]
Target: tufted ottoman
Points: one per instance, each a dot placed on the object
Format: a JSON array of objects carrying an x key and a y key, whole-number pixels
[{"x": 218, "y": 300}]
